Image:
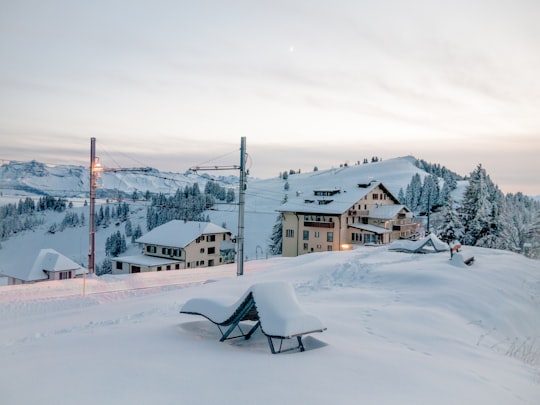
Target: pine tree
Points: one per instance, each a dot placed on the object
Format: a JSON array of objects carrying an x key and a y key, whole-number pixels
[
  {"x": 401, "y": 196},
  {"x": 276, "y": 239},
  {"x": 230, "y": 196},
  {"x": 105, "y": 268},
  {"x": 481, "y": 207},
  {"x": 534, "y": 237},
  {"x": 451, "y": 228},
  {"x": 127, "y": 228},
  {"x": 137, "y": 233},
  {"x": 429, "y": 194},
  {"x": 413, "y": 193}
]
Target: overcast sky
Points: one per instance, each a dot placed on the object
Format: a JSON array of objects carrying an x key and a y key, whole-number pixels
[{"x": 172, "y": 84}]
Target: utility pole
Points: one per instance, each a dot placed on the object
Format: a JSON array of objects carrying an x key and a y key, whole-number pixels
[
  {"x": 241, "y": 201},
  {"x": 241, "y": 205},
  {"x": 95, "y": 172},
  {"x": 92, "y": 220}
]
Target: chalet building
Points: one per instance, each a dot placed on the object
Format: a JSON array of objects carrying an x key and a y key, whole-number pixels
[
  {"x": 335, "y": 219},
  {"x": 48, "y": 265},
  {"x": 179, "y": 245}
]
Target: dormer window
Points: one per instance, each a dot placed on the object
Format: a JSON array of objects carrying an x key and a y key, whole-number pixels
[{"x": 326, "y": 193}]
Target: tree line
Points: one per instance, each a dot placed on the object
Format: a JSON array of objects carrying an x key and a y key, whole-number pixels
[
  {"x": 187, "y": 204},
  {"x": 483, "y": 217}
]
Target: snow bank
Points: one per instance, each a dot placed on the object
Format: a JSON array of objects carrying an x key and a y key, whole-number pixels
[{"x": 402, "y": 328}]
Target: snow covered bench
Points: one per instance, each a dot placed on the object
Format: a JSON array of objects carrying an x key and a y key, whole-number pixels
[{"x": 274, "y": 308}]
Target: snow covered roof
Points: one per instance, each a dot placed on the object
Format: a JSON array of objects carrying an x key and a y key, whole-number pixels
[
  {"x": 386, "y": 211},
  {"x": 144, "y": 260},
  {"x": 178, "y": 233},
  {"x": 337, "y": 203},
  {"x": 370, "y": 228},
  {"x": 429, "y": 244},
  {"x": 47, "y": 260}
]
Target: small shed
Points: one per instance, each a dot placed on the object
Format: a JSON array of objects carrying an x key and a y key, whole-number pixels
[{"x": 48, "y": 265}]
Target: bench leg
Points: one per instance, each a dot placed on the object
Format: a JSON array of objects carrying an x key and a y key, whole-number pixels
[{"x": 300, "y": 346}]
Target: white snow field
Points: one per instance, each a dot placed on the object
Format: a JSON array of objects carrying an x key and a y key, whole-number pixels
[{"x": 402, "y": 329}]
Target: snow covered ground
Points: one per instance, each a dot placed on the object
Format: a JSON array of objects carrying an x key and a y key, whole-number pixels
[{"x": 402, "y": 328}]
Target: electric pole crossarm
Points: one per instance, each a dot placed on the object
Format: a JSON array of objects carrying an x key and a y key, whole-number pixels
[
  {"x": 133, "y": 169},
  {"x": 204, "y": 168}
]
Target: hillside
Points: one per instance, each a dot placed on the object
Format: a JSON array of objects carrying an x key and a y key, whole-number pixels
[
  {"x": 263, "y": 197},
  {"x": 401, "y": 329}
]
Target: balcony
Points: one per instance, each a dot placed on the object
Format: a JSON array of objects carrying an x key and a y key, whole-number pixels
[{"x": 319, "y": 224}]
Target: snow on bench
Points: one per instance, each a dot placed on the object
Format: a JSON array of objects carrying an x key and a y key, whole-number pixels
[{"x": 273, "y": 306}]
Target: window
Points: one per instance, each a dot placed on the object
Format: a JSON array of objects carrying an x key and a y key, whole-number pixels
[
  {"x": 168, "y": 267},
  {"x": 118, "y": 265},
  {"x": 330, "y": 237},
  {"x": 135, "y": 269},
  {"x": 329, "y": 248},
  {"x": 289, "y": 233},
  {"x": 202, "y": 262},
  {"x": 375, "y": 196},
  {"x": 64, "y": 275},
  {"x": 306, "y": 235},
  {"x": 317, "y": 234},
  {"x": 202, "y": 250},
  {"x": 164, "y": 251},
  {"x": 211, "y": 250},
  {"x": 211, "y": 238},
  {"x": 177, "y": 266},
  {"x": 305, "y": 246},
  {"x": 158, "y": 268}
]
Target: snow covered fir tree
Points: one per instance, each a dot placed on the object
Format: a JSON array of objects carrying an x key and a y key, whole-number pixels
[{"x": 483, "y": 217}]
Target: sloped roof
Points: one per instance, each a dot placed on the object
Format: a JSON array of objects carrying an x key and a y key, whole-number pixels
[
  {"x": 47, "y": 260},
  {"x": 386, "y": 211},
  {"x": 429, "y": 244},
  {"x": 178, "y": 233},
  {"x": 370, "y": 228},
  {"x": 144, "y": 260},
  {"x": 335, "y": 204}
]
